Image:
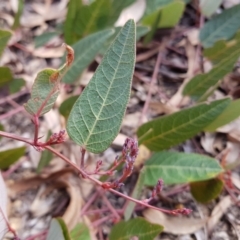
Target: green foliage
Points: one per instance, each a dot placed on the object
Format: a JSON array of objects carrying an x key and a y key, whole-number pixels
[
  {"x": 174, "y": 167},
  {"x": 58, "y": 230},
  {"x": 1, "y": 129},
  {"x": 228, "y": 115},
  {"x": 85, "y": 51},
  {"x": 66, "y": 106},
  {"x": 221, "y": 26},
  {"x": 139, "y": 227},
  {"x": 4, "y": 37},
  {"x": 15, "y": 85},
  {"x": 80, "y": 232},
  {"x": 206, "y": 191},
  {"x": 42, "y": 39},
  {"x": 5, "y": 76},
  {"x": 96, "y": 116},
  {"x": 209, "y": 7},
  {"x": 167, "y": 131},
  {"x": 170, "y": 14},
  {"x": 16, "y": 23},
  {"x": 8, "y": 157}
]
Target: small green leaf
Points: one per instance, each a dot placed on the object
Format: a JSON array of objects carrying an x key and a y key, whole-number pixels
[
  {"x": 135, "y": 194},
  {"x": 200, "y": 86},
  {"x": 137, "y": 227},
  {"x": 8, "y": 157},
  {"x": 221, "y": 26},
  {"x": 16, "y": 23},
  {"x": 16, "y": 84},
  {"x": 85, "y": 51},
  {"x": 209, "y": 7},
  {"x": 80, "y": 232},
  {"x": 66, "y": 106},
  {"x": 57, "y": 230},
  {"x": 167, "y": 131},
  {"x": 174, "y": 167},
  {"x": 5, "y": 76},
  {"x": 1, "y": 129},
  {"x": 206, "y": 191},
  {"x": 228, "y": 115},
  {"x": 96, "y": 116},
  {"x": 45, "y": 91},
  {"x": 4, "y": 37},
  {"x": 44, "y": 38}
]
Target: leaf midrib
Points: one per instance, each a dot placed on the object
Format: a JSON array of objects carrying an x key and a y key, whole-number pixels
[{"x": 93, "y": 127}]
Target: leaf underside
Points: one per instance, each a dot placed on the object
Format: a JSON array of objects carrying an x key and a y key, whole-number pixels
[
  {"x": 170, "y": 130},
  {"x": 174, "y": 167},
  {"x": 96, "y": 116}
]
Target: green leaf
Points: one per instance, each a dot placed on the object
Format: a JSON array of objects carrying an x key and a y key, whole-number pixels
[
  {"x": 174, "y": 167},
  {"x": 96, "y": 116},
  {"x": 139, "y": 227},
  {"x": 206, "y": 191},
  {"x": 74, "y": 8},
  {"x": 64, "y": 229},
  {"x": 222, "y": 49},
  {"x": 170, "y": 15},
  {"x": 5, "y": 75},
  {"x": 1, "y": 129},
  {"x": 16, "y": 23},
  {"x": 57, "y": 230},
  {"x": 44, "y": 38},
  {"x": 46, "y": 157},
  {"x": 85, "y": 51},
  {"x": 45, "y": 90},
  {"x": 8, "y": 157},
  {"x": 200, "y": 86},
  {"x": 221, "y": 26},
  {"x": 167, "y": 131},
  {"x": 66, "y": 106},
  {"x": 209, "y": 7},
  {"x": 228, "y": 115},
  {"x": 80, "y": 232},
  {"x": 4, "y": 37},
  {"x": 92, "y": 18},
  {"x": 16, "y": 84},
  {"x": 135, "y": 194}
]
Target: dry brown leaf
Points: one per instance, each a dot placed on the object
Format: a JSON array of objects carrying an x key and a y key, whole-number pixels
[
  {"x": 162, "y": 108},
  {"x": 218, "y": 212},
  {"x": 143, "y": 154},
  {"x": 119, "y": 140},
  {"x": 131, "y": 120},
  {"x": 193, "y": 36},
  {"x": 44, "y": 52},
  {"x": 173, "y": 224}
]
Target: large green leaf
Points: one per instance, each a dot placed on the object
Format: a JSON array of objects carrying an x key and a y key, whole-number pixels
[
  {"x": 80, "y": 232},
  {"x": 58, "y": 230},
  {"x": 4, "y": 37},
  {"x": 174, "y": 167},
  {"x": 167, "y": 131},
  {"x": 209, "y": 7},
  {"x": 222, "y": 49},
  {"x": 206, "y": 191},
  {"x": 74, "y": 7},
  {"x": 96, "y": 116},
  {"x": 45, "y": 90},
  {"x": 66, "y": 106},
  {"x": 228, "y": 115},
  {"x": 5, "y": 76},
  {"x": 201, "y": 86},
  {"x": 221, "y": 26},
  {"x": 85, "y": 51},
  {"x": 139, "y": 227},
  {"x": 8, "y": 157}
]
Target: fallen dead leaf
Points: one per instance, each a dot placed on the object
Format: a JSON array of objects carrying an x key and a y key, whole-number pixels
[
  {"x": 44, "y": 52},
  {"x": 143, "y": 155},
  {"x": 173, "y": 224},
  {"x": 218, "y": 212}
]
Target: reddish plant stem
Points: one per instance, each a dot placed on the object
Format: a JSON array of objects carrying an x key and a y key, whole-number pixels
[
  {"x": 83, "y": 150},
  {"x": 12, "y": 96},
  {"x": 89, "y": 202},
  {"x": 36, "y": 125},
  {"x": 102, "y": 220},
  {"x": 12, "y": 112},
  {"x": 102, "y": 210},
  {"x": 153, "y": 80}
]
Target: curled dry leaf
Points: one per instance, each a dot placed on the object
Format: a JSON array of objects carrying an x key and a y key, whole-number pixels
[
  {"x": 218, "y": 212},
  {"x": 173, "y": 224}
]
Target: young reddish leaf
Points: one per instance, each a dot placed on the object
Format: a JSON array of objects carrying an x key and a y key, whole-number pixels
[
  {"x": 206, "y": 191},
  {"x": 175, "y": 167},
  {"x": 45, "y": 89},
  {"x": 8, "y": 157},
  {"x": 137, "y": 227},
  {"x": 165, "y": 132},
  {"x": 96, "y": 116}
]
